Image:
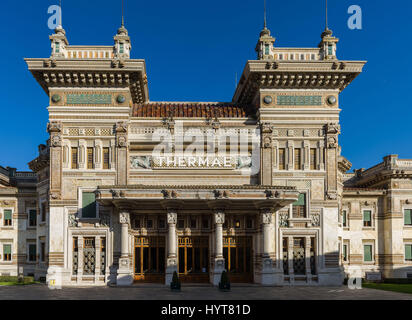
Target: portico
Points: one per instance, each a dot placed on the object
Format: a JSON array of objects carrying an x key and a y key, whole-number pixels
[{"x": 200, "y": 228}]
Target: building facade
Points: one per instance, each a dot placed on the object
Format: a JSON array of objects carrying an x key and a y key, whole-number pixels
[{"x": 128, "y": 190}]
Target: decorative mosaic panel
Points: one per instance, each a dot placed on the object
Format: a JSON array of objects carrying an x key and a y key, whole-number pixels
[
  {"x": 88, "y": 99},
  {"x": 299, "y": 100}
]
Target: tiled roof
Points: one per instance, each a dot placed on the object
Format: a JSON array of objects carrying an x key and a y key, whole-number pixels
[{"x": 188, "y": 110}]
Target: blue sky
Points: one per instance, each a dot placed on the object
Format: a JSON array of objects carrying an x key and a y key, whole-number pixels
[{"x": 193, "y": 49}]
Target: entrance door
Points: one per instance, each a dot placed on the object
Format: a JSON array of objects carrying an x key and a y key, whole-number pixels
[
  {"x": 194, "y": 259},
  {"x": 237, "y": 252},
  {"x": 149, "y": 259},
  {"x": 299, "y": 259}
]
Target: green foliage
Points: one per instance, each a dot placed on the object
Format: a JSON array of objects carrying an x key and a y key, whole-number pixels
[
  {"x": 13, "y": 280},
  {"x": 403, "y": 288}
]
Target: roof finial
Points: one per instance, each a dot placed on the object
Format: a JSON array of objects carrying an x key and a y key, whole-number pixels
[
  {"x": 61, "y": 13},
  {"x": 122, "y": 13},
  {"x": 326, "y": 16},
  {"x": 265, "y": 18}
]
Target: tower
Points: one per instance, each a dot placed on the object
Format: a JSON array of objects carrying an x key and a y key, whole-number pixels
[{"x": 264, "y": 47}]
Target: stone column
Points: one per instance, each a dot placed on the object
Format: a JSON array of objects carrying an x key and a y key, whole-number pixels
[
  {"x": 124, "y": 273},
  {"x": 307, "y": 259},
  {"x": 268, "y": 268},
  {"x": 290, "y": 259},
  {"x": 219, "y": 265},
  {"x": 97, "y": 248},
  {"x": 266, "y": 162},
  {"x": 80, "y": 257},
  {"x": 122, "y": 146},
  {"x": 171, "y": 245}
]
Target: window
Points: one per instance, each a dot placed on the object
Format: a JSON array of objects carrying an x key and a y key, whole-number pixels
[
  {"x": 291, "y": 56},
  {"x": 282, "y": 159},
  {"x": 57, "y": 47},
  {"x": 367, "y": 253},
  {"x": 313, "y": 164},
  {"x": 7, "y": 218},
  {"x": 281, "y": 57},
  {"x": 121, "y": 48},
  {"x": 299, "y": 207},
  {"x": 43, "y": 211},
  {"x": 32, "y": 218},
  {"x": 408, "y": 217},
  {"x": 249, "y": 223},
  {"x": 408, "y": 252},
  {"x": 302, "y": 57},
  {"x": 162, "y": 223},
  {"x": 312, "y": 56},
  {"x": 90, "y": 162},
  {"x": 75, "y": 153},
  {"x": 106, "y": 158},
  {"x": 193, "y": 223},
  {"x": 345, "y": 252},
  {"x": 181, "y": 223},
  {"x": 330, "y": 50},
  {"x": 298, "y": 159},
  {"x": 42, "y": 251},
  {"x": 88, "y": 205},
  {"x": 32, "y": 252},
  {"x": 149, "y": 224},
  {"x": 344, "y": 218},
  {"x": 367, "y": 218},
  {"x": 266, "y": 49},
  {"x": 205, "y": 223},
  {"x": 6, "y": 252},
  {"x": 137, "y": 224}
]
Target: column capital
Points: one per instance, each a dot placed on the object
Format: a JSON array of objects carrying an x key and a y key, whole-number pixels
[
  {"x": 171, "y": 216},
  {"x": 124, "y": 217},
  {"x": 219, "y": 216},
  {"x": 267, "y": 217}
]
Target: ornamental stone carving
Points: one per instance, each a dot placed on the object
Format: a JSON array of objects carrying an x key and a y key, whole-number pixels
[
  {"x": 219, "y": 217},
  {"x": 332, "y": 143},
  {"x": 267, "y": 142},
  {"x": 315, "y": 220},
  {"x": 267, "y": 216},
  {"x": 73, "y": 220},
  {"x": 333, "y": 128},
  {"x": 219, "y": 194},
  {"x": 124, "y": 218},
  {"x": 169, "y": 194},
  {"x": 172, "y": 217},
  {"x": 121, "y": 127},
  {"x": 270, "y": 194},
  {"x": 284, "y": 220},
  {"x": 56, "y": 141},
  {"x": 54, "y": 126},
  {"x": 267, "y": 128},
  {"x": 122, "y": 142},
  {"x": 105, "y": 219}
]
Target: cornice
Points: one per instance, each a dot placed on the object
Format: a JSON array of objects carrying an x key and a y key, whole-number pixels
[
  {"x": 95, "y": 73},
  {"x": 275, "y": 74}
]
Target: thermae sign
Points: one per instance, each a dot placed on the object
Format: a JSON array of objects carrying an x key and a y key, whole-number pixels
[{"x": 185, "y": 162}]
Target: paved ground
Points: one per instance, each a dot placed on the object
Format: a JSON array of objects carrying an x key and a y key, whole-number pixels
[{"x": 42, "y": 292}]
